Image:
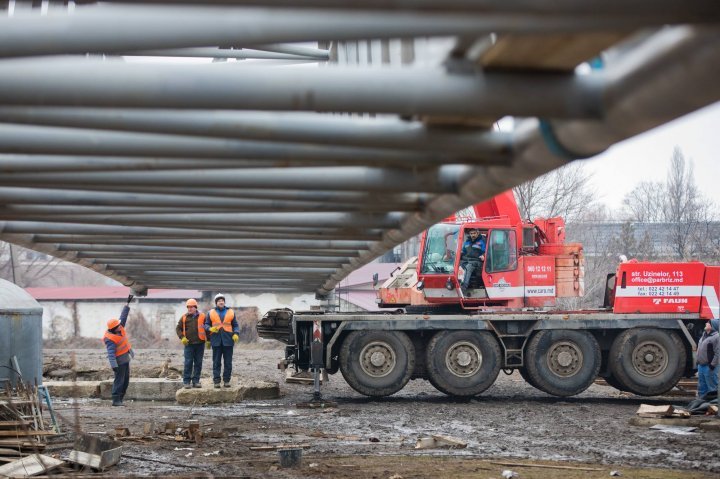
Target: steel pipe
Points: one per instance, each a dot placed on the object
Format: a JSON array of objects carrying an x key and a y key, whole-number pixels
[
  {"x": 35, "y": 211},
  {"x": 150, "y": 27},
  {"x": 219, "y": 260},
  {"x": 240, "y": 243},
  {"x": 11, "y": 195},
  {"x": 392, "y": 90},
  {"x": 91, "y": 251},
  {"x": 72, "y": 141},
  {"x": 265, "y": 126},
  {"x": 236, "y": 53},
  {"x": 437, "y": 180},
  {"x": 671, "y": 10},
  {"x": 21, "y": 163},
  {"x": 58, "y": 228},
  {"x": 265, "y": 249}
]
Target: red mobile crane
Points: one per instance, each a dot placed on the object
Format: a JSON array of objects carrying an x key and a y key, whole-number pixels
[
  {"x": 641, "y": 340},
  {"x": 528, "y": 264}
]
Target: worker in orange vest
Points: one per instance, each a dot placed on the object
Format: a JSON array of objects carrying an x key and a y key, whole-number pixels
[
  {"x": 224, "y": 332},
  {"x": 119, "y": 353},
  {"x": 191, "y": 331}
]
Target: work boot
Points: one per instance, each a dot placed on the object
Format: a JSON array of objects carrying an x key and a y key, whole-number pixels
[
  {"x": 227, "y": 384},
  {"x": 187, "y": 386},
  {"x": 216, "y": 385},
  {"x": 196, "y": 385},
  {"x": 116, "y": 401}
]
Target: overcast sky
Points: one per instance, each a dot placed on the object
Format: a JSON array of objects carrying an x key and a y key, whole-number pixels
[{"x": 647, "y": 157}]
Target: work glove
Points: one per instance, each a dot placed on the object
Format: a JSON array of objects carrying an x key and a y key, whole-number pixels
[
  {"x": 207, "y": 344},
  {"x": 236, "y": 338},
  {"x": 115, "y": 368},
  {"x": 214, "y": 329},
  {"x": 185, "y": 341}
]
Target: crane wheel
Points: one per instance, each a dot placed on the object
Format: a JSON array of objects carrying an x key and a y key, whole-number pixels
[
  {"x": 377, "y": 363},
  {"x": 647, "y": 361},
  {"x": 562, "y": 362},
  {"x": 463, "y": 363},
  {"x": 524, "y": 374},
  {"x": 612, "y": 381}
]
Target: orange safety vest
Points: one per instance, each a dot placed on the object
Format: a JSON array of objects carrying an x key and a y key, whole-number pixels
[
  {"x": 226, "y": 323},
  {"x": 200, "y": 324},
  {"x": 122, "y": 344}
]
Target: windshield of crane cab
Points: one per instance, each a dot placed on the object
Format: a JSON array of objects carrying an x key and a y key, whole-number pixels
[{"x": 440, "y": 248}]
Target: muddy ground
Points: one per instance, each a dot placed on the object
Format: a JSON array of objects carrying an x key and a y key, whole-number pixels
[{"x": 370, "y": 438}]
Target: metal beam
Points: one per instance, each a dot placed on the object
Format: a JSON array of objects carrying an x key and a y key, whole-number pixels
[{"x": 409, "y": 91}]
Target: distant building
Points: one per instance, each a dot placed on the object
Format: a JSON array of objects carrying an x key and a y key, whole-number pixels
[{"x": 357, "y": 293}]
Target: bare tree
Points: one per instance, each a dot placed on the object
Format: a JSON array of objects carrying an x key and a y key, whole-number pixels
[
  {"x": 564, "y": 192},
  {"x": 23, "y": 266},
  {"x": 645, "y": 202},
  {"x": 680, "y": 206},
  {"x": 627, "y": 242},
  {"x": 28, "y": 268}
]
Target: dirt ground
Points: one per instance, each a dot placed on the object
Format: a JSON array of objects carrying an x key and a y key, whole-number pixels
[{"x": 509, "y": 427}]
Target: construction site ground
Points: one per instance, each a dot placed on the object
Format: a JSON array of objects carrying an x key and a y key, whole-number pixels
[{"x": 512, "y": 426}]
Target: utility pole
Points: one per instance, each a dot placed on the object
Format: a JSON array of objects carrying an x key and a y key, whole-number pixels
[{"x": 12, "y": 263}]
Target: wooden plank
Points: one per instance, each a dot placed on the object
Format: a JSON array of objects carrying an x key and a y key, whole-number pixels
[
  {"x": 30, "y": 466},
  {"x": 647, "y": 410},
  {"x": 279, "y": 446},
  {"x": 554, "y": 52},
  {"x": 23, "y": 433},
  {"x": 669, "y": 421},
  {"x": 546, "y": 466},
  {"x": 13, "y": 424},
  {"x": 22, "y": 443},
  {"x": 85, "y": 459}
]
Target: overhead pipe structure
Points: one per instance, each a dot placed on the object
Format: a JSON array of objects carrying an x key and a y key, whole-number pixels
[{"x": 129, "y": 170}]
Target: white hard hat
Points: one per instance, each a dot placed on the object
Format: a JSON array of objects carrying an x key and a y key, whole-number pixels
[{"x": 218, "y": 296}]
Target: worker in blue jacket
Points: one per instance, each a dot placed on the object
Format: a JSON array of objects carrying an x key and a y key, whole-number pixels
[
  {"x": 224, "y": 332},
  {"x": 472, "y": 257}
]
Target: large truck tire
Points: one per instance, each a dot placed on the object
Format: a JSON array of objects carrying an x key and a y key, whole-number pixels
[
  {"x": 463, "y": 363},
  {"x": 612, "y": 381},
  {"x": 647, "y": 361},
  {"x": 377, "y": 363},
  {"x": 526, "y": 376},
  {"x": 562, "y": 362}
]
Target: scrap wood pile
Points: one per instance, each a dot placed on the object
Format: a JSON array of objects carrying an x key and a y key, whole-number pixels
[
  {"x": 23, "y": 433},
  {"x": 22, "y": 428}
]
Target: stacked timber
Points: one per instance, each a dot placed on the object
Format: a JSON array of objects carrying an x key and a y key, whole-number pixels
[{"x": 23, "y": 431}]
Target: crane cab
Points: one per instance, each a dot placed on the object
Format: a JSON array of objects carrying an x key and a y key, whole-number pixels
[{"x": 520, "y": 269}]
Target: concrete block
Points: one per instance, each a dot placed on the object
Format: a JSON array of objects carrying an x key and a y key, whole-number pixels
[
  {"x": 145, "y": 389},
  {"x": 242, "y": 390},
  {"x": 76, "y": 389}
]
